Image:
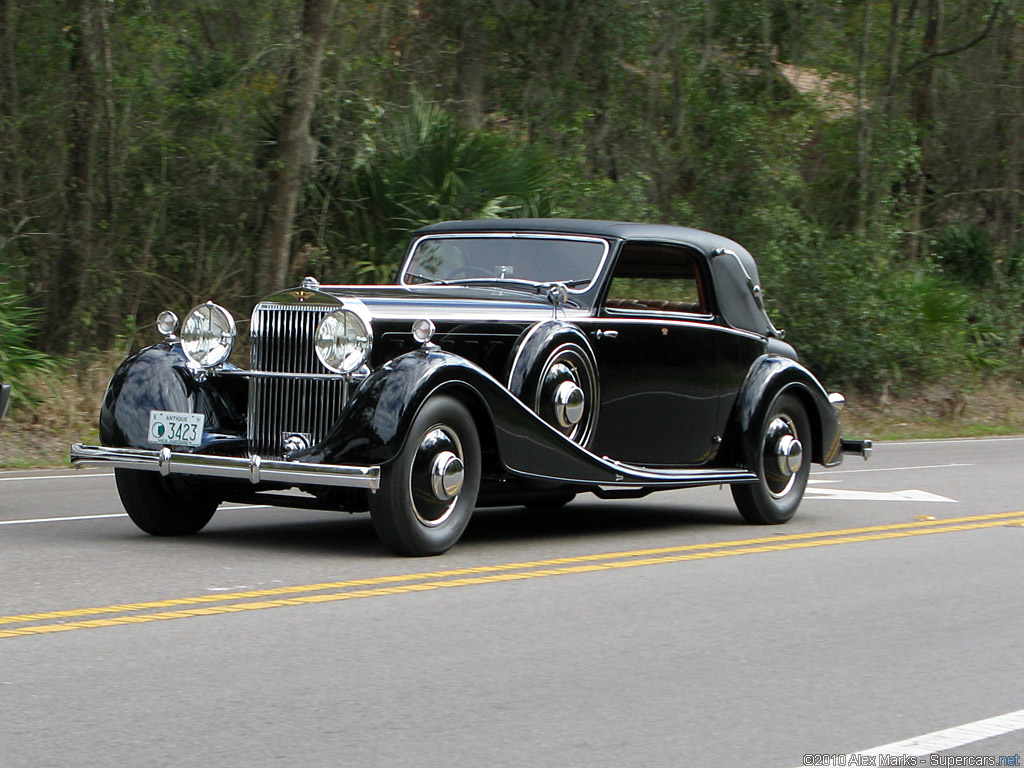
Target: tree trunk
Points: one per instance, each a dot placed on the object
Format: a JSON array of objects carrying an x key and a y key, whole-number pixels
[
  {"x": 109, "y": 113},
  {"x": 69, "y": 272},
  {"x": 12, "y": 190},
  {"x": 863, "y": 131},
  {"x": 470, "y": 63},
  {"x": 923, "y": 113},
  {"x": 892, "y": 75},
  {"x": 1012, "y": 219},
  {"x": 293, "y": 144}
]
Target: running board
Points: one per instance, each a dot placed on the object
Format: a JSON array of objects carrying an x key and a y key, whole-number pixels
[{"x": 641, "y": 480}]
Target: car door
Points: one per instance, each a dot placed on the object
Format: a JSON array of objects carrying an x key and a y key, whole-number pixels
[{"x": 656, "y": 346}]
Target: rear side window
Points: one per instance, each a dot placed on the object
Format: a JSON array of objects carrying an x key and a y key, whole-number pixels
[{"x": 656, "y": 278}]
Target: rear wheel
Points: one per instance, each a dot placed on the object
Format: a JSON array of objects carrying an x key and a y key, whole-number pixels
[
  {"x": 782, "y": 465},
  {"x": 427, "y": 494},
  {"x": 164, "y": 506}
]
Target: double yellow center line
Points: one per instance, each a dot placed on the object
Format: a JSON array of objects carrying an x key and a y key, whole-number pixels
[{"x": 378, "y": 586}]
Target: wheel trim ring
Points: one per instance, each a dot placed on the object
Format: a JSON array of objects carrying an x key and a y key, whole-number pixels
[
  {"x": 782, "y": 423},
  {"x": 449, "y": 443}
]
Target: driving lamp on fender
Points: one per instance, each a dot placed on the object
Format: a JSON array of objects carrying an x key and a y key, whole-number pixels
[
  {"x": 423, "y": 330},
  {"x": 343, "y": 341},
  {"x": 208, "y": 335},
  {"x": 166, "y": 323}
]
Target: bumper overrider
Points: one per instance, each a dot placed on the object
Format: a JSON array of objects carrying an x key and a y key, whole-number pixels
[{"x": 254, "y": 469}]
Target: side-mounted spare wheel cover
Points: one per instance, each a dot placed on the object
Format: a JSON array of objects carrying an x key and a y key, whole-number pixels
[{"x": 553, "y": 371}]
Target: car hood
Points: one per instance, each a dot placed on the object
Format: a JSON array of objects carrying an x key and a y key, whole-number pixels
[{"x": 435, "y": 302}]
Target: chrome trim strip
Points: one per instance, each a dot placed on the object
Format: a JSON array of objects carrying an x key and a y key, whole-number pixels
[
  {"x": 644, "y": 312},
  {"x": 255, "y": 470},
  {"x": 665, "y": 318}
]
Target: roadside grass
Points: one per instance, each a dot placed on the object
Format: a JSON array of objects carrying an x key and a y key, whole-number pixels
[
  {"x": 64, "y": 409},
  {"x": 67, "y": 411},
  {"x": 989, "y": 409}
]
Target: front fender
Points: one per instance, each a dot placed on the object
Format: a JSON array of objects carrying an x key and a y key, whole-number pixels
[
  {"x": 769, "y": 377},
  {"x": 158, "y": 378},
  {"x": 377, "y": 420}
]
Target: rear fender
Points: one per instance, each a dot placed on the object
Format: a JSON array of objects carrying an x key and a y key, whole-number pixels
[{"x": 768, "y": 378}]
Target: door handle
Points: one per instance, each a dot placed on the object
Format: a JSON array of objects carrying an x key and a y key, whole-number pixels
[{"x": 601, "y": 334}]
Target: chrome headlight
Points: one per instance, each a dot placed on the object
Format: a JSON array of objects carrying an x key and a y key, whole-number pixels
[
  {"x": 208, "y": 334},
  {"x": 343, "y": 340}
]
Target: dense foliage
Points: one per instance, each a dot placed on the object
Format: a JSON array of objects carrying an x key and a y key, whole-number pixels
[{"x": 868, "y": 152}]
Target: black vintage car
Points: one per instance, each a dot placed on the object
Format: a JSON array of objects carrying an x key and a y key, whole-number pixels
[{"x": 514, "y": 361}]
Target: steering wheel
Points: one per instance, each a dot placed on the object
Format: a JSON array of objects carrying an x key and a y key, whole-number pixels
[{"x": 470, "y": 271}]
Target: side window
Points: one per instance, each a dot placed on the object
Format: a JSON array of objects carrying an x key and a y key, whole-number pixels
[{"x": 656, "y": 277}]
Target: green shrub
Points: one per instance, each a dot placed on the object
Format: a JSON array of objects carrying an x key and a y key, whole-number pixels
[
  {"x": 20, "y": 364},
  {"x": 426, "y": 167},
  {"x": 858, "y": 319}
]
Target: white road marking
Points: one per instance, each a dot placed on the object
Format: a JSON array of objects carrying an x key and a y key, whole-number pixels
[
  {"x": 47, "y": 478},
  {"x": 889, "y": 469},
  {"x": 840, "y": 494},
  {"x": 102, "y": 517},
  {"x": 948, "y": 440},
  {"x": 60, "y": 519},
  {"x": 951, "y": 738}
]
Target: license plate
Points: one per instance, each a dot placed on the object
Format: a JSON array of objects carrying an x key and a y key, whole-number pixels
[{"x": 170, "y": 428}]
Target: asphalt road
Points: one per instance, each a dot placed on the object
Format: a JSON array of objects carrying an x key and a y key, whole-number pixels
[{"x": 658, "y": 632}]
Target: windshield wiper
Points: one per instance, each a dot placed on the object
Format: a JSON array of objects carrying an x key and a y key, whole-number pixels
[
  {"x": 424, "y": 279},
  {"x": 556, "y": 292},
  {"x": 514, "y": 283}
]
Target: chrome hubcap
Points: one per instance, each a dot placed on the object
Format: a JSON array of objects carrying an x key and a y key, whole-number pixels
[
  {"x": 790, "y": 455},
  {"x": 570, "y": 404},
  {"x": 446, "y": 476}
]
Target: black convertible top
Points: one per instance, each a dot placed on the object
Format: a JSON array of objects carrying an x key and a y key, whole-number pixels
[
  {"x": 624, "y": 230},
  {"x": 733, "y": 274}
]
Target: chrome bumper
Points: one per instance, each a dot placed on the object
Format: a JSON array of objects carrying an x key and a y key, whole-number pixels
[
  {"x": 858, "y": 448},
  {"x": 254, "y": 469}
]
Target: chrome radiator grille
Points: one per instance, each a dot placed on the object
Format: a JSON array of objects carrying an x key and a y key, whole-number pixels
[
  {"x": 279, "y": 406},
  {"x": 282, "y": 337}
]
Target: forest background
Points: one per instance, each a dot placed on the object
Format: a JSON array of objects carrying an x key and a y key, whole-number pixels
[{"x": 158, "y": 153}]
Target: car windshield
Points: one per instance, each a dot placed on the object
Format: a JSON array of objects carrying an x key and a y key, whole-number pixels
[{"x": 486, "y": 258}]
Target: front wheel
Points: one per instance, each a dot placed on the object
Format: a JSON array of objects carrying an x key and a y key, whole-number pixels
[
  {"x": 427, "y": 494},
  {"x": 164, "y": 506},
  {"x": 782, "y": 465}
]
